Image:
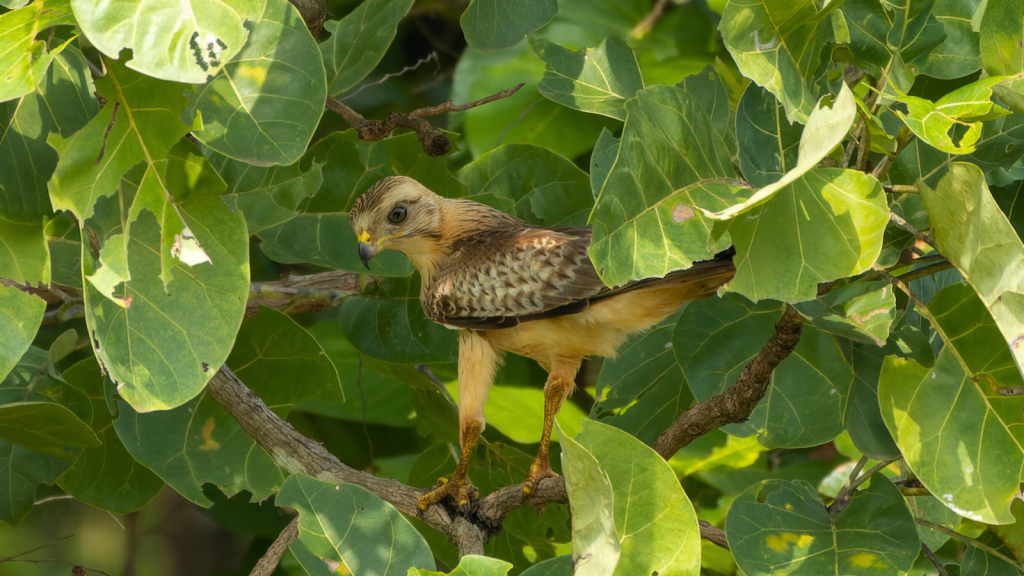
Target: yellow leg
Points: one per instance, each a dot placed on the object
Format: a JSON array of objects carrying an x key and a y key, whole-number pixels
[
  {"x": 561, "y": 381},
  {"x": 458, "y": 486}
]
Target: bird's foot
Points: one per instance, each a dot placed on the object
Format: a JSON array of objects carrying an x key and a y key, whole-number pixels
[
  {"x": 458, "y": 488},
  {"x": 539, "y": 470}
]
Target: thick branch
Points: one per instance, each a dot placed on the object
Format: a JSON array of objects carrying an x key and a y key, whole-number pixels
[
  {"x": 433, "y": 140},
  {"x": 268, "y": 563},
  {"x": 736, "y": 403}
]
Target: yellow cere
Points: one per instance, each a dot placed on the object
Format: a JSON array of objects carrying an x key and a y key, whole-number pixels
[{"x": 364, "y": 237}]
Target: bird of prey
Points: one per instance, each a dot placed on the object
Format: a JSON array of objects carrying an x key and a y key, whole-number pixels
[{"x": 510, "y": 286}]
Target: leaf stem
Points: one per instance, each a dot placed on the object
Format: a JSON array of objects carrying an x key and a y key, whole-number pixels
[{"x": 935, "y": 561}]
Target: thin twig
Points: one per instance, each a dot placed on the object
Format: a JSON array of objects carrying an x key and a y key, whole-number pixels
[
  {"x": 65, "y": 562},
  {"x": 268, "y": 563},
  {"x": 901, "y": 189},
  {"x": 425, "y": 370},
  {"x": 968, "y": 540},
  {"x": 844, "y": 495},
  {"x": 865, "y": 146},
  {"x": 517, "y": 121},
  {"x": 925, "y": 271},
  {"x": 58, "y": 540},
  {"x": 647, "y": 24},
  {"x": 900, "y": 222},
  {"x": 390, "y": 75},
  {"x": 935, "y": 561}
]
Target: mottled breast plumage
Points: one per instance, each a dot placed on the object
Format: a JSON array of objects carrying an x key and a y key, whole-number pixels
[{"x": 497, "y": 279}]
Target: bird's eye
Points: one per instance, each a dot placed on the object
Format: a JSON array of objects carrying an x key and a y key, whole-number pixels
[{"x": 397, "y": 215}]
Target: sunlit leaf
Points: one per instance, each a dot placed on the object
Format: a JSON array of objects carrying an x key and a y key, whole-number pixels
[
  {"x": 24, "y": 59},
  {"x": 471, "y": 565},
  {"x": 934, "y": 122},
  {"x": 1001, "y": 29},
  {"x": 595, "y": 544},
  {"x": 24, "y": 253},
  {"x": 20, "y": 314},
  {"x": 358, "y": 41},
  {"x": 597, "y": 80}
]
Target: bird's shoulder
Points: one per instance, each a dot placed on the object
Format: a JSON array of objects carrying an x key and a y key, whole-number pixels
[{"x": 499, "y": 278}]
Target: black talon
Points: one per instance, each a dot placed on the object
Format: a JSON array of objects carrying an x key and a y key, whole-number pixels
[{"x": 465, "y": 508}]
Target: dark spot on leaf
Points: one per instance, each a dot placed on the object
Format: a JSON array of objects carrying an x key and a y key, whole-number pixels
[
  {"x": 197, "y": 51},
  {"x": 765, "y": 491},
  {"x": 255, "y": 330},
  {"x": 361, "y": 508},
  {"x": 1009, "y": 148},
  {"x": 1011, "y": 391},
  {"x": 206, "y": 367},
  {"x": 1015, "y": 343}
]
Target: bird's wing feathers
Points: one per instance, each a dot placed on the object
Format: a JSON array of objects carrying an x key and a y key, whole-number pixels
[{"x": 499, "y": 279}]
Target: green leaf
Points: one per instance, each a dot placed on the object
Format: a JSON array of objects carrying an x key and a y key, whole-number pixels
[
  {"x": 642, "y": 390},
  {"x": 827, "y": 224},
  {"x": 606, "y": 149},
  {"x": 781, "y": 524},
  {"x": 644, "y": 223},
  {"x": 597, "y": 80},
  {"x": 44, "y": 427},
  {"x": 715, "y": 452},
  {"x": 781, "y": 45},
  {"x": 595, "y": 543},
  {"x": 1001, "y": 29},
  {"x": 560, "y": 566},
  {"x": 207, "y": 34},
  {"x": 62, "y": 102},
  {"x": 24, "y": 60},
  {"x": 1013, "y": 534},
  {"x": 358, "y": 41},
  {"x": 963, "y": 426},
  {"x": 471, "y": 565},
  {"x": 344, "y": 523},
  {"x": 20, "y": 315},
  {"x": 106, "y": 476},
  {"x": 496, "y": 24},
  {"x": 860, "y": 311},
  {"x": 881, "y": 30},
  {"x": 826, "y": 128},
  {"x": 975, "y": 235},
  {"x": 980, "y": 562},
  {"x": 389, "y": 323},
  {"x": 932, "y": 510},
  {"x": 136, "y": 342},
  {"x": 710, "y": 91},
  {"x": 934, "y": 122},
  {"x": 523, "y": 118},
  {"x": 264, "y": 105},
  {"x": 767, "y": 141},
  {"x": 654, "y": 520},
  {"x": 546, "y": 188},
  {"x": 960, "y": 53},
  {"x": 24, "y": 254},
  {"x": 265, "y": 196}
]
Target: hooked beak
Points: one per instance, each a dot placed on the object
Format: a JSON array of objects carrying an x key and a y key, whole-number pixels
[{"x": 366, "y": 248}]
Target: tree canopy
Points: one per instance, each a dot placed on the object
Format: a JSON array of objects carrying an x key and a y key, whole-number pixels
[{"x": 183, "y": 310}]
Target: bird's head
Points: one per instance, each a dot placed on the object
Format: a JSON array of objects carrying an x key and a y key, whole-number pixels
[{"x": 397, "y": 213}]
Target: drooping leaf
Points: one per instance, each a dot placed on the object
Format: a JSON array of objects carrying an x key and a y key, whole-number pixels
[
  {"x": 966, "y": 417},
  {"x": 265, "y": 196},
  {"x": 358, "y": 41},
  {"x": 782, "y": 45},
  {"x": 62, "y": 102},
  {"x": 546, "y": 188},
  {"x": 826, "y": 128},
  {"x": 767, "y": 140},
  {"x": 344, "y": 523},
  {"x": 136, "y": 342},
  {"x": 595, "y": 544},
  {"x": 207, "y": 35},
  {"x": 105, "y": 476},
  {"x": 20, "y": 315},
  {"x": 24, "y": 59},
  {"x": 497, "y": 24},
  {"x": 44, "y": 427},
  {"x": 597, "y": 80},
  {"x": 783, "y": 525},
  {"x": 263, "y": 106},
  {"x": 654, "y": 520},
  {"x": 643, "y": 219},
  {"x": 934, "y": 122},
  {"x": 321, "y": 234},
  {"x": 827, "y": 224},
  {"x": 975, "y": 235},
  {"x": 1001, "y": 29}
]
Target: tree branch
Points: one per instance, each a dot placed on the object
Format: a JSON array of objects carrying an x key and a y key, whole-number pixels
[
  {"x": 433, "y": 140},
  {"x": 313, "y": 13},
  {"x": 736, "y": 403},
  {"x": 268, "y": 563}
]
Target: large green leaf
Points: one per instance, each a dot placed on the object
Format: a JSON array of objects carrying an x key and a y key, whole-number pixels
[
  {"x": 162, "y": 345},
  {"x": 782, "y": 525},
  {"x": 975, "y": 235},
  {"x": 595, "y": 543},
  {"x": 962, "y": 438},
  {"x": 24, "y": 254},
  {"x": 263, "y": 106},
  {"x": 471, "y": 565},
  {"x": 199, "y": 442},
  {"x": 826, "y": 128},
  {"x": 960, "y": 53},
  {"x": 44, "y": 427},
  {"x": 204, "y": 37},
  {"x": 933, "y": 122},
  {"x": 644, "y": 221},
  {"x": 881, "y": 30},
  {"x": 545, "y": 188},
  {"x": 827, "y": 224},
  {"x": 24, "y": 59},
  {"x": 496, "y": 24},
  {"x": 389, "y": 323},
  {"x": 597, "y": 80},
  {"x": 321, "y": 234},
  {"x": 62, "y": 102},
  {"x": 358, "y": 41},
  {"x": 346, "y": 523},
  {"x": 265, "y": 196},
  {"x": 105, "y": 476},
  {"x": 20, "y": 314},
  {"x": 654, "y": 520},
  {"x": 860, "y": 311},
  {"x": 783, "y": 46},
  {"x": 1001, "y": 29},
  {"x": 642, "y": 390},
  {"x": 767, "y": 140},
  {"x": 523, "y": 118}
]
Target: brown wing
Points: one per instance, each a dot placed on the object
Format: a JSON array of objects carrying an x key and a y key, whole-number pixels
[{"x": 497, "y": 280}]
